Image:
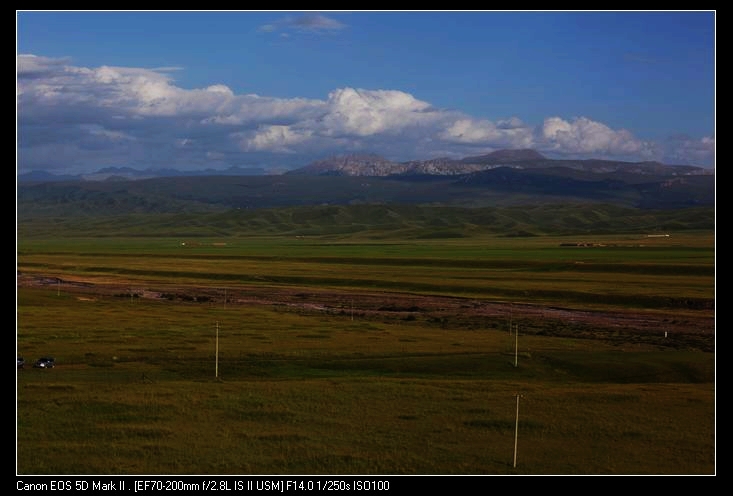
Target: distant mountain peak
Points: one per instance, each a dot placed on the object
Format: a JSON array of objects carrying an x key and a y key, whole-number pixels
[
  {"x": 349, "y": 165},
  {"x": 526, "y": 158},
  {"x": 506, "y": 156},
  {"x": 370, "y": 164}
]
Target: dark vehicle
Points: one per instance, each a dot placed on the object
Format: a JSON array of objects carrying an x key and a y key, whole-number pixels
[
  {"x": 45, "y": 363},
  {"x": 21, "y": 362}
]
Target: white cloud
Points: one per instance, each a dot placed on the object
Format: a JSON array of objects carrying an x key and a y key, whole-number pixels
[
  {"x": 311, "y": 23},
  {"x": 483, "y": 132},
  {"x": 221, "y": 89},
  {"x": 583, "y": 135},
  {"x": 316, "y": 22},
  {"x": 29, "y": 65},
  {"x": 510, "y": 123},
  {"x": 76, "y": 118},
  {"x": 365, "y": 113},
  {"x": 275, "y": 139},
  {"x": 683, "y": 150}
]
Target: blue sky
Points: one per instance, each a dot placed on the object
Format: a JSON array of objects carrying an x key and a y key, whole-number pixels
[{"x": 200, "y": 89}]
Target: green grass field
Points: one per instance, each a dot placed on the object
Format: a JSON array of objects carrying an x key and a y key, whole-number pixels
[{"x": 216, "y": 386}]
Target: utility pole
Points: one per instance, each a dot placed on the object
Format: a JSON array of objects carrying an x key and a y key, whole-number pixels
[
  {"x": 217, "y": 350},
  {"x": 516, "y": 343},
  {"x": 516, "y": 431}
]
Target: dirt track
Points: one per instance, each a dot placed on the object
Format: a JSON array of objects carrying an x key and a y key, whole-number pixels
[{"x": 688, "y": 329}]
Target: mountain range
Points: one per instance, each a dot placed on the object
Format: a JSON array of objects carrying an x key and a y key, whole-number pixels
[
  {"x": 501, "y": 178},
  {"x": 129, "y": 173},
  {"x": 523, "y": 159},
  {"x": 377, "y": 166}
]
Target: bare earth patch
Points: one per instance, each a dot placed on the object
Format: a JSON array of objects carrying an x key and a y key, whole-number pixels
[{"x": 681, "y": 329}]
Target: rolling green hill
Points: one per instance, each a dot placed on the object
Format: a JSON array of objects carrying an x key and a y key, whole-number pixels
[
  {"x": 408, "y": 221},
  {"x": 500, "y": 201}
]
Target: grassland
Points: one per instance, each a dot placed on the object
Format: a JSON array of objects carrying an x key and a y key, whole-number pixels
[{"x": 364, "y": 353}]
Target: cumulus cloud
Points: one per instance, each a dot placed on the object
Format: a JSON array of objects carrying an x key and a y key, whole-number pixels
[
  {"x": 29, "y": 65},
  {"x": 584, "y": 136},
  {"x": 365, "y": 113},
  {"x": 77, "y": 119},
  {"x": 477, "y": 132},
  {"x": 274, "y": 138},
  {"x": 510, "y": 123}
]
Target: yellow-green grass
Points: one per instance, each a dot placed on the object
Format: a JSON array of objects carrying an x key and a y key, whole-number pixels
[
  {"x": 138, "y": 390},
  {"x": 617, "y": 271},
  {"x": 144, "y": 386},
  {"x": 113, "y": 421}
]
